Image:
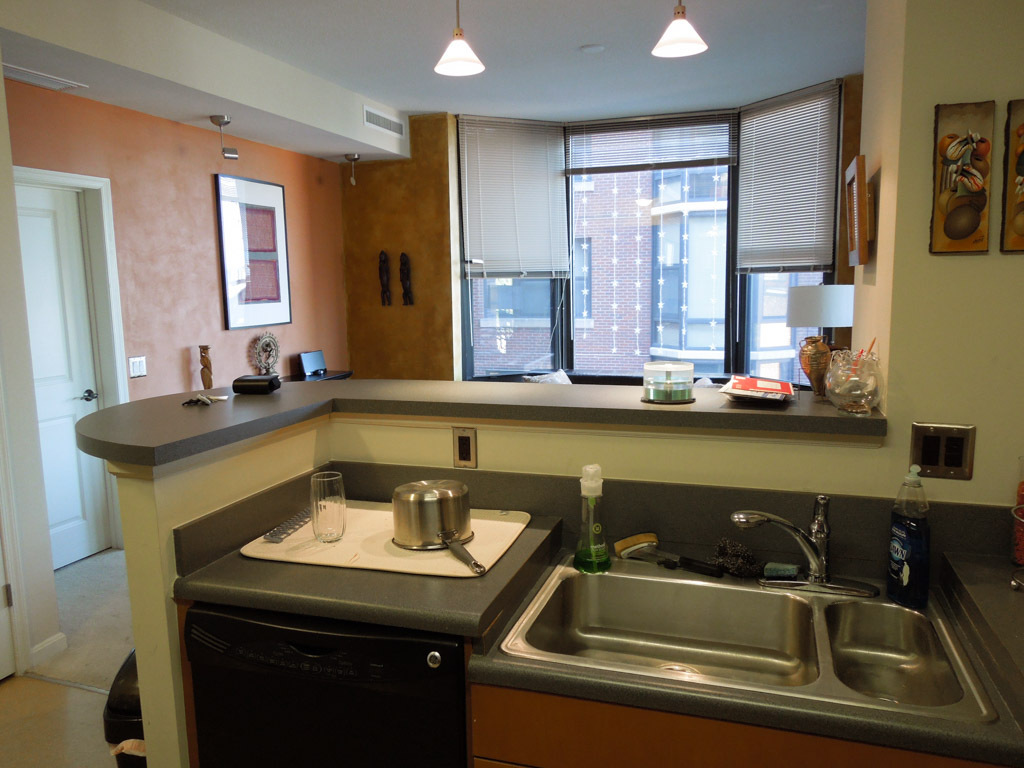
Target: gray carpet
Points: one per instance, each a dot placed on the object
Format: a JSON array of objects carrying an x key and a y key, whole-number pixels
[{"x": 92, "y": 598}]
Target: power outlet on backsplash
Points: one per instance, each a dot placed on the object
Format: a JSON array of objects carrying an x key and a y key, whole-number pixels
[{"x": 943, "y": 450}]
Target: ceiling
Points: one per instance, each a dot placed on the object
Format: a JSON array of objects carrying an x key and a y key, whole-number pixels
[{"x": 386, "y": 50}]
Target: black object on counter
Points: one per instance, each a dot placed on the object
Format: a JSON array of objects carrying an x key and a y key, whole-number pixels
[
  {"x": 256, "y": 385},
  {"x": 122, "y": 715}
]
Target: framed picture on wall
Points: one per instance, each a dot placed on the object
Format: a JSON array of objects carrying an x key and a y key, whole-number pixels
[
  {"x": 1013, "y": 179},
  {"x": 962, "y": 174},
  {"x": 253, "y": 252}
]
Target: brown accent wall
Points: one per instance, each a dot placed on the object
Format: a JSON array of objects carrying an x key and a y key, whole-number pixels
[
  {"x": 165, "y": 225},
  {"x": 853, "y": 96},
  {"x": 402, "y": 206}
]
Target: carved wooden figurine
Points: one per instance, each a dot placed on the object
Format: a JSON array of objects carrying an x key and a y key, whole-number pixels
[
  {"x": 385, "y": 279},
  {"x": 405, "y": 277},
  {"x": 206, "y": 370}
]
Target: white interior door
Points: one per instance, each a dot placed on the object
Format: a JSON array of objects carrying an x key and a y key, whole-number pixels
[
  {"x": 6, "y": 638},
  {"x": 63, "y": 364}
]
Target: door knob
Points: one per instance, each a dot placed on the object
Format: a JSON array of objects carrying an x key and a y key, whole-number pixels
[{"x": 89, "y": 396}]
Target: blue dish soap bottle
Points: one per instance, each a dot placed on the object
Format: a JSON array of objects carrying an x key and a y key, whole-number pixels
[
  {"x": 591, "y": 552},
  {"x": 907, "y": 582}
]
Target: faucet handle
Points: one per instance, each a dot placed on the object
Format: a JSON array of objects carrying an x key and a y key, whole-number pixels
[{"x": 819, "y": 523}]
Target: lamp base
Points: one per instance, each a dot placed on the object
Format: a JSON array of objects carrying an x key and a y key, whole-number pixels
[{"x": 814, "y": 358}]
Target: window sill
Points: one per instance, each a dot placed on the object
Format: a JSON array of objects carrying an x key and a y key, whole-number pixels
[{"x": 152, "y": 432}]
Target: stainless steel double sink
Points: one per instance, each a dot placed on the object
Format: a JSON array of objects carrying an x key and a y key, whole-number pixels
[{"x": 641, "y": 619}]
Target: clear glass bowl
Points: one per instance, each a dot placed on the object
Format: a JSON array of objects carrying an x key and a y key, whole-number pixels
[{"x": 853, "y": 384}]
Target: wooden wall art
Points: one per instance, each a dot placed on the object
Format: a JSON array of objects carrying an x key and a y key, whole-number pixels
[
  {"x": 1013, "y": 179},
  {"x": 962, "y": 158},
  {"x": 405, "y": 274},
  {"x": 860, "y": 228},
  {"x": 384, "y": 273}
]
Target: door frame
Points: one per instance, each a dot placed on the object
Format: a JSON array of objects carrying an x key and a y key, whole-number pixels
[{"x": 97, "y": 215}]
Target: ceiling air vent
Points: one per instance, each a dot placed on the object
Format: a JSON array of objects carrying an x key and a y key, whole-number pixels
[
  {"x": 32, "y": 77},
  {"x": 382, "y": 122}
]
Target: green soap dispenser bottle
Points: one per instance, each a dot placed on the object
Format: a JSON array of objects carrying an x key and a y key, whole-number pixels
[{"x": 591, "y": 553}]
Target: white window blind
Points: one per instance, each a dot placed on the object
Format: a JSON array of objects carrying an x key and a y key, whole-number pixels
[
  {"x": 514, "y": 220},
  {"x": 787, "y": 182},
  {"x": 650, "y": 143}
]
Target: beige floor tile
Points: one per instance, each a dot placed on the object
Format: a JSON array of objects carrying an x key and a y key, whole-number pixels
[{"x": 51, "y": 726}]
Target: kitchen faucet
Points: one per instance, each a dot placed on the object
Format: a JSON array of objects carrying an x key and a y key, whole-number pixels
[{"x": 814, "y": 544}]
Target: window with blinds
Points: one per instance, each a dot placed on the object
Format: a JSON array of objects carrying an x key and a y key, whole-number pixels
[
  {"x": 651, "y": 143},
  {"x": 787, "y": 182},
  {"x": 514, "y": 220}
]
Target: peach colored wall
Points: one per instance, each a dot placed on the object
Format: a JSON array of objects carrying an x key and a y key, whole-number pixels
[
  {"x": 165, "y": 224},
  {"x": 396, "y": 206}
]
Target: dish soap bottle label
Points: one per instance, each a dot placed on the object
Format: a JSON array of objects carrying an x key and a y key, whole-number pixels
[{"x": 899, "y": 549}]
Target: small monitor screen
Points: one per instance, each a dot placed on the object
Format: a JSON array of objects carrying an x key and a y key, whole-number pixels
[{"x": 312, "y": 362}]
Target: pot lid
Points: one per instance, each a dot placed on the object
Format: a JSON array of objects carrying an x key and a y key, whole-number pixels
[{"x": 430, "y": 490}]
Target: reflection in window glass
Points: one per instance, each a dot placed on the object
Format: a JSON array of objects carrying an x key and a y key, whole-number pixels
[
  {"x": 651, "y": 248},
  {"x": 774, "y": 347},
  {"x": 512, "y": 325}
]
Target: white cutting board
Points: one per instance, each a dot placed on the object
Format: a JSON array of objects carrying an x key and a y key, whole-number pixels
[{"x": 367, "y": 543}]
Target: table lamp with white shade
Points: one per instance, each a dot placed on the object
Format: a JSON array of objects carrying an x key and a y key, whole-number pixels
[{"x": 818, "y": 306}]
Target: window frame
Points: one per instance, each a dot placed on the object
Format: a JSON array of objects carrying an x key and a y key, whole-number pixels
[{"x": 736, "y": 352}]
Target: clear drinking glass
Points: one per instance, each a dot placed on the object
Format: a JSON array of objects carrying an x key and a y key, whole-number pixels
[{"x": 327, "y": 505}]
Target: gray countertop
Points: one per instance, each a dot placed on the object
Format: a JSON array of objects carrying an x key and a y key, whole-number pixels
[
  {"x": 159, "y": 430},
  {"x": 465, "y": 607},
  {"x": 984, "y": 610}
]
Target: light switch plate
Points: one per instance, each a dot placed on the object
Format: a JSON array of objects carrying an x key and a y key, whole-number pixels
[
  {"x": 943, "y": 450},
  {"x": 136, "y": 367}
]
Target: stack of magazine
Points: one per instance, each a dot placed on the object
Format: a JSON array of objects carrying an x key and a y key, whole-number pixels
[{"x": 750, "y": 389}]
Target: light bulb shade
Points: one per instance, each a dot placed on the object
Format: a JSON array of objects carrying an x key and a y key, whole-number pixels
[
  {"x": 459, "y": 59},
  {"x": 680, "y": 39},
  {"x": 820, "y": 306}
]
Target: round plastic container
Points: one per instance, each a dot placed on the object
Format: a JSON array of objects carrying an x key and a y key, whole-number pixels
[{"x": 668, "y": 382}]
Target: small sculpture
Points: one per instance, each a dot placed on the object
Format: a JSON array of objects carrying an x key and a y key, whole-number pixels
[
  {"x": 206, "y": 369},
  {"x": 405, "y": 277},
  {"x": 384, "y": 270},
  {"x": 265, "y": 354}
]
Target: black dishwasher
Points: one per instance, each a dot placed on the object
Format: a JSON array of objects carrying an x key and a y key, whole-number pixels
[{"x": 281, "y": 690}]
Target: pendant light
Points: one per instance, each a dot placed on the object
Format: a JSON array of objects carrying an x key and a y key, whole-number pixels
[
  {"x": 459, "y": 59},
  {"x": 229, "y": 153},
  {"x": 680, "y": 39}
]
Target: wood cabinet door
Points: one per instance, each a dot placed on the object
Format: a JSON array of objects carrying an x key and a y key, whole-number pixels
[{"x": 545, "y": 731}]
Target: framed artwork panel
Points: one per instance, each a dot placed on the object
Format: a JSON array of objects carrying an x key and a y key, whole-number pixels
[
  {"x": 1013, "y": 180},
  {"x": 962, "y": 160},
  {"x": 254, "y": 252}
]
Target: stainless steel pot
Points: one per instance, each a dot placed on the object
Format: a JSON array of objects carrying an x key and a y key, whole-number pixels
[{"x": 434, "y": 514}]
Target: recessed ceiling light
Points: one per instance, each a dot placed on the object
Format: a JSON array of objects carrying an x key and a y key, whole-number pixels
[{"x": 592, "y": 48}]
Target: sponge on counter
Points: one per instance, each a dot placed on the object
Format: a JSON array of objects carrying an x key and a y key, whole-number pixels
[{"x": 781, "y": 571}]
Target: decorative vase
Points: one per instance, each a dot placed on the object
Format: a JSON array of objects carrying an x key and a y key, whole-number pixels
[
  {"x": 814, "y": 359},
  {"x": 854, "y": 384}
]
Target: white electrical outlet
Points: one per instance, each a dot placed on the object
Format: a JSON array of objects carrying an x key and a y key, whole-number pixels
[{"x": 136, "y": 367}]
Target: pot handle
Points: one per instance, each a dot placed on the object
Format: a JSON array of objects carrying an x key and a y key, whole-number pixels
[{"x": 448, "y": 537}]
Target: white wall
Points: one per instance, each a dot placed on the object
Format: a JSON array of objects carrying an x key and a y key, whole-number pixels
[
  {"x": 956, "y": 320},
  {"x": 28, "y": 546}
]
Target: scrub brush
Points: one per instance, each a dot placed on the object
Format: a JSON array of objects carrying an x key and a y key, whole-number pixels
[
  {"x": 644, "y": 546},
  {"x": 737, "y": 559}
]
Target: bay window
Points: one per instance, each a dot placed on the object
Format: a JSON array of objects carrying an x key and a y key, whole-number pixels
[{"x": 598, "y": 246}]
